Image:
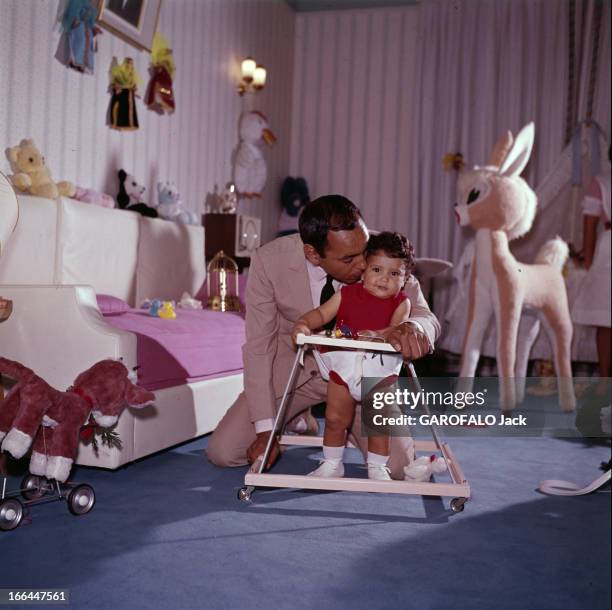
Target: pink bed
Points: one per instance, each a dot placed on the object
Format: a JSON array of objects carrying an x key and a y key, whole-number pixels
[{"x": 198, "y": 344}]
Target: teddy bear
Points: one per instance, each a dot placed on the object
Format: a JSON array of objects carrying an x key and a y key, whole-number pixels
[
  {"x": 130, "y": 193},
  {"x": 32, "y": 175},
  {"x": 171, "y": 207},
  {"x": 35, "y": 414}
]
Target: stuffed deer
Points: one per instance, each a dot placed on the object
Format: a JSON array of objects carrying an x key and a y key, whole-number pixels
[{"x": 501, "y": 206}]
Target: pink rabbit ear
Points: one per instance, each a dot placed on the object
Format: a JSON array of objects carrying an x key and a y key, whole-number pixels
[
  {"x": 501, "y": 149},
  {"x": 138, "y": 397}
]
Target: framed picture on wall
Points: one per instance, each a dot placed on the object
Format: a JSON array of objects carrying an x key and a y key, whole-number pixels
[{"x": 135, "y": 21}]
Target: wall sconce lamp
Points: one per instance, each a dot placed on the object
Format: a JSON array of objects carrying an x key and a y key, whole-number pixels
[{"x": 253, "y": 76}]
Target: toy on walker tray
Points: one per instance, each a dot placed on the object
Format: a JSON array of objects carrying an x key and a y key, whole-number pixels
[
  {"x": 418, "y": 472},
  {"x": 34, "y": 414}
]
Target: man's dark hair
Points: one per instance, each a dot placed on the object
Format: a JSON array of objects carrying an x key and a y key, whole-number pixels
[
  {"x": 394, "y": 245},
  {"x": 327, "y": 213}
]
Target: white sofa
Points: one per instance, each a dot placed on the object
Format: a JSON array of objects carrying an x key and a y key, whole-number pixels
[{"x": 61, "y": 254}]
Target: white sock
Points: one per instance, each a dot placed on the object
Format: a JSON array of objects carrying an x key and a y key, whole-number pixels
[
  {"x": 333, "y": 453},
  {"x": 377, "y": 460}
]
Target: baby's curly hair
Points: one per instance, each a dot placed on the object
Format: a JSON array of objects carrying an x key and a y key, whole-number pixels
[{"x": 394, "y": 245}]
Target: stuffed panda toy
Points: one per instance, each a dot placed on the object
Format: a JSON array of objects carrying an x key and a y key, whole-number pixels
[
  {"x": 294, "y": 196},
  {"x": 130, "y": 193}
]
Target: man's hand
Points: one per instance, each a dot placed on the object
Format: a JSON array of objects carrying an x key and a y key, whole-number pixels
[
  {"x": 409, "y": 339},
  {"x": 258, "y": 447}
]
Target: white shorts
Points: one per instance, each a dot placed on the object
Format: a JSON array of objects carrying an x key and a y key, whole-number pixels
[{"x": 352, "y": 365}]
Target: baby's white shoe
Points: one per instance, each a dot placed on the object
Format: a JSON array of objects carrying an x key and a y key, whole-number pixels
[
  {"x": 328, "y": 468},
  {"x": 378, "y": 472}
]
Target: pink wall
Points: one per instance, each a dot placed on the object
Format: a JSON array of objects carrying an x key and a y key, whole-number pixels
[
  {"x": 64, "y": 111},
  {"x": 353, "y": 92}
]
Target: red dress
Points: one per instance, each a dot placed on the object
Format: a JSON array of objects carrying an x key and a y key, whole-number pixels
[{"x": 361, "y": 310}]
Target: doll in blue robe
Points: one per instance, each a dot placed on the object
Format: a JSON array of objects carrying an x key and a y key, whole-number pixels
[{"x": 77, "y": 44}]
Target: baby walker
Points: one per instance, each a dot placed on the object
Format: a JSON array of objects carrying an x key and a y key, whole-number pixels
[{"x": 255, "y": 477}]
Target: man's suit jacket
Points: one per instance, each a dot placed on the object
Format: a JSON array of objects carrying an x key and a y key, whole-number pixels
[{"x": 278, "y": 293}]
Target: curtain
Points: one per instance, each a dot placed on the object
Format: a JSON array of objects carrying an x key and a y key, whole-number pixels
[{"x": 483, "y": 67}]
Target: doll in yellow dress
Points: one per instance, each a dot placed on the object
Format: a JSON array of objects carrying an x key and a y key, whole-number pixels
[{"x": 124, "y": 84}]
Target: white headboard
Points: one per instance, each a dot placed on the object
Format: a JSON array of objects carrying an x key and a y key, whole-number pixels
[{"x": 115, "y": 251}]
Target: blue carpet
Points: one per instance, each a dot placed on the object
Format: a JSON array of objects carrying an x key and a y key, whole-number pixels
[{"x": 168, "y": 532}]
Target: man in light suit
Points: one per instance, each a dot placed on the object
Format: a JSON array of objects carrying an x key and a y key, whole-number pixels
[{"x": 286, "y": 278}]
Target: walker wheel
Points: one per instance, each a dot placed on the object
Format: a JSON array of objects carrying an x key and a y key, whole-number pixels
[
  {"x": 458, "y": 504},
  {"x": 244, "y": 494},
  {"x": 11, "y": 514},
  {"x": 33, "y": 487},
  {"x": 81, "y": 499}
]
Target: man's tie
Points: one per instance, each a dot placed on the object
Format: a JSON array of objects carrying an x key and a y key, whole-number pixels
[{"x": 326, "y": 294}]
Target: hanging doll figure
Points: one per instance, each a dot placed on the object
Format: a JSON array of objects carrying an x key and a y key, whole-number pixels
[
  {"x": 124, "y": 84},
  {"x": 78, "y": 44},
  {"x": 160, "y": 96}
]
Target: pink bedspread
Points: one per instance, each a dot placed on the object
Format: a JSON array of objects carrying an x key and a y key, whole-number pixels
[{"x": 197, "y": 345}]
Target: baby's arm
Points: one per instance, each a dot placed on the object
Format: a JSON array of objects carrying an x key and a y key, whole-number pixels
[
  {"x": 315, "y": 318},
  {"x": 401, "y": 313}
]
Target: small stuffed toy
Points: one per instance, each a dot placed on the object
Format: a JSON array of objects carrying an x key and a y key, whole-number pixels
[
  {"x": 32, "y": 175},
  {"x": 166, "y": 311},
  {"x": 228, "y": 200},
  {"x": 124, "y": 82},
  {"x": 294, "y": 196},
  {"x": 160, "y": 96},
  {"x": 171, "y": 207},
  {"x": 189, "y": 302},
  {"x": 130, "y": 193},
  {"x": 161, "y": 309},
  {"x": 153, "y": 306},
  {"x": 250, "y": 170},
  {"x": 34, "y": 413},
  {"x": 94, "y": 197},
  {"x": 423, "y": 467},
  {"x": 501, "y": 207}
]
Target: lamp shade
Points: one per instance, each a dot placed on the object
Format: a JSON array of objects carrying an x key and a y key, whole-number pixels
[
  {"x": 248, "y": 69},
  {"x": 259, "y": 77}
]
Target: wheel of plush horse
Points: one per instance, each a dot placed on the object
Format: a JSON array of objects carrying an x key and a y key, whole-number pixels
[
  {"x": 33, "y": 487},
  {"x": 81, "y": 499},
  {"x": 11, "y": 514}
]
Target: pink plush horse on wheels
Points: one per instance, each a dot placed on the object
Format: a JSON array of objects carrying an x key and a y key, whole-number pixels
[
  {"x": 501, "y": 206},
  {"x": 35, "y": 414}
]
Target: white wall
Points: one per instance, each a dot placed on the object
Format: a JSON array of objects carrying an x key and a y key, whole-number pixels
[
  {"x": 353, "y": 92},
  {"x": 65, "y": 111}
]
